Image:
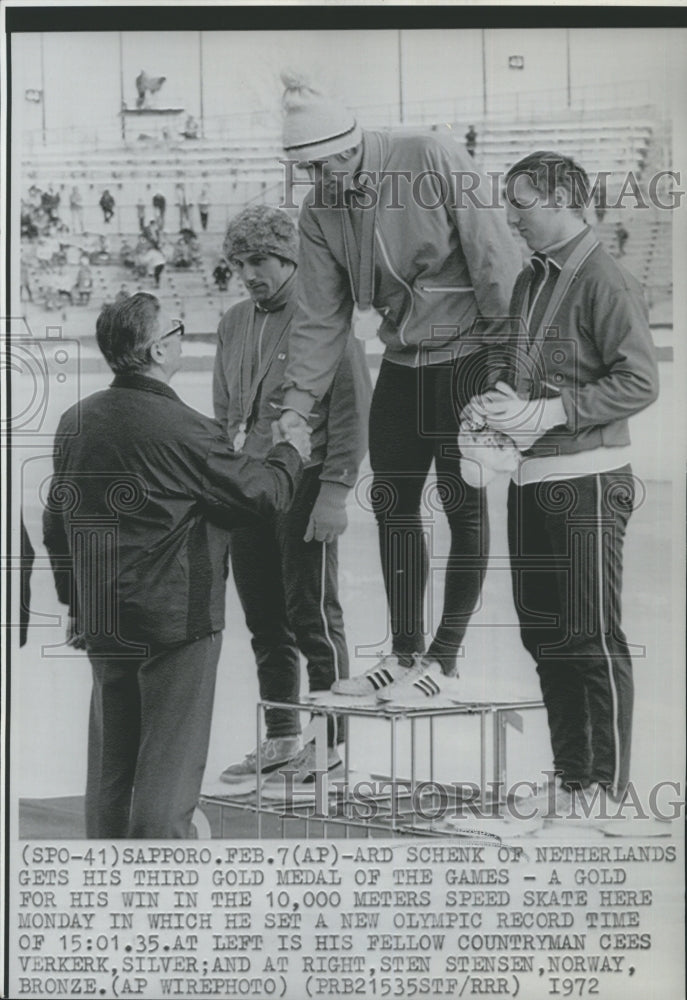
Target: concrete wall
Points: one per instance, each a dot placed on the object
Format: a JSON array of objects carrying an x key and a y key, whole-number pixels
[{"x": 81, "y": 71}]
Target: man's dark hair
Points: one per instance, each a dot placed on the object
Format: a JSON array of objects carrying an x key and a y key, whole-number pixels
[
  {"x": 123, "y": 332},
  {"x": 547, "y": 171}
]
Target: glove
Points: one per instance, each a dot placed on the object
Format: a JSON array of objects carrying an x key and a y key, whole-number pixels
[
  {"x": 485, "y": 453},
  {"x": 523, "y": 420},
  {"x": 328, "y": 518}
]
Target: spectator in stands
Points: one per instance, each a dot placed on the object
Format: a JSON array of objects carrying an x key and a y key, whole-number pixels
[
  {"x": 49, "y": 294},
  {"x": 172, "y": 483},
  {"x": 204, "y": 208},
  {"x": 151, "y": 233},
  {"x": 621, "y": 238},
  {"x": 155, "y": 262},
  {"x": 565, "y": 401},
  {"x": 25, "y": 290},
  {"x": 187, "y": 250},
  {"x": 35, "y": 197},
  {"x": 141, "y": 212},
  {"x": 448, "y": 268},
  {"x": 190, "y": 128},
  {"x": 122, "y": 294},
  {"x": 29, "y": 228},
  {"x": 160, "y": 207},
  {"x": 222, "y": 274},
  {"x": 184, "y": 208},
  {"x": 471, "y": 140},
  {"x": 76, "y": 209},
  {"x": 50, "y": 201},
  {"x": 286, "y": 570},
  {"x": 600, "y": 212},
  {"x": 107, "y": 203},
  {"x": 127, "y": 255},
  {"x": 102, "y": 253},
  {"x": 84, "y": 283}
]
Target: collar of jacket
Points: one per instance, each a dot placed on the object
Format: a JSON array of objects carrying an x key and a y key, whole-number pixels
[
  {"x": 280, "y": 298},
  {"x": 559, "y": 253},
  {"x": 371, "y": 163},
  {"x": 145, "y": 383}
]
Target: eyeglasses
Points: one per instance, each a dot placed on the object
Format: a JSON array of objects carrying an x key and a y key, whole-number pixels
[{"x": 178, "y": 328}]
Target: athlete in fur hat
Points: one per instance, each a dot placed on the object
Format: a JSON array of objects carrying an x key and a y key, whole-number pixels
[{"x": 286, "y": 569}]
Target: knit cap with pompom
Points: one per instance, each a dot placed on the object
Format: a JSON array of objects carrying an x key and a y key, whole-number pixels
[
  {"x": 260, "y": 229},
  {"x": 315, "y": 126}
]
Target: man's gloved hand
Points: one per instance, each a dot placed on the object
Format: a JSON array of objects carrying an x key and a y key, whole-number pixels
[
  {"x": 328, "y": 519},
  {"x": 523, "y": 420},
  {"x": 75, "y": 638}
]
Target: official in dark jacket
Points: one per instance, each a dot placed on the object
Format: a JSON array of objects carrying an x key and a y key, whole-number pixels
[{"x": 143, "y": 494}]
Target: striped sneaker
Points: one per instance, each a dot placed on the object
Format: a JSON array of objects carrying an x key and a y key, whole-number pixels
[
  {"x": 297, "y": 778},
  {"x": 274, "y": 752},
  {"x": 422, "y": 684},
  {"x": 376, "y": 679}
]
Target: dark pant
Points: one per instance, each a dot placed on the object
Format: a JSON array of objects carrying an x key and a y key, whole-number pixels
[
  {"x": 148, "y": 738},
  {"x": 414, "y": 418},
  {"x": 566, "y": 545},
  {"x": 289, "y": 592}
]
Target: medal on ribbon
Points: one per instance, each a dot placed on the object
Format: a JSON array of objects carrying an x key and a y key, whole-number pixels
[{"x": 240, "y": 438}]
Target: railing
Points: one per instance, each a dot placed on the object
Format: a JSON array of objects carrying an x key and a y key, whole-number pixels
[{"x": 633, "y": 97}]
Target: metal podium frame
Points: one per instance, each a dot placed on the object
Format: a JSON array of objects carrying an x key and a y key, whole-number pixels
[{"x": 391, "y": 817}]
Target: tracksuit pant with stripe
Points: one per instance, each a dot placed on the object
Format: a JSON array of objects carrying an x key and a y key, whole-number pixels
[
  {"x": 414, "y": 421},
  {"x": 288, "y": 589},
  {"x": 566, "y": 547}
]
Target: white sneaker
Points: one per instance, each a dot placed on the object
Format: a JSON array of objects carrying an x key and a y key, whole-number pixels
[
  {"x": 383, "y": 674},
  {"x": 552, "y": 802},
  {"x": 588, "y": 807},
  {"x": 421, "y": 684},
  {"x": 274, "y": 751}
]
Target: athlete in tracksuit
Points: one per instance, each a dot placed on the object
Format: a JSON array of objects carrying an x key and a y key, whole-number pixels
[
  {"x": 286, "y": 570},
  {"x": 580, "y": 362},
  {"x": 399, "y": 234}
]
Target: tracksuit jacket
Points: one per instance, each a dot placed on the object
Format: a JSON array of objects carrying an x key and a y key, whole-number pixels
[
  {"x": 588, "y": 342},
  {"x": 441, "y": 277},
  {"x": 247, "y": 388},
  {"x": 594, "y": 350}
]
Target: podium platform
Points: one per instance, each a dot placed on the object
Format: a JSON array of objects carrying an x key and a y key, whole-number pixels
[{"x": 369, "y": 801}]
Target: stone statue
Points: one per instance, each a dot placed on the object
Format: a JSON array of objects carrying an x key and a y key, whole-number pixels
[{"x": 146, "y": 85}]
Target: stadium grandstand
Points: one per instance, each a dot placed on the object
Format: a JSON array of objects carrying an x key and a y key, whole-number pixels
[{"x": 216, "y": 166}]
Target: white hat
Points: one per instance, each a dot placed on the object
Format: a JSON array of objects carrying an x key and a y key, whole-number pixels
[{"x": 315, "y": 126}]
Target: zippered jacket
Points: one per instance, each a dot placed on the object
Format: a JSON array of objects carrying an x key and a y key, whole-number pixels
[
  {"x": 144, "y": 492},
  {"x": 339, "y": 422},
  {"x": 440, "y": 267},
  {"x": 594, "y": 350}
]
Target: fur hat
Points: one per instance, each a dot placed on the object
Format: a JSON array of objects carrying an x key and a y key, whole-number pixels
[
  {"x": 260, "y": 229},
  {"x": 315, "y": 126}
]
